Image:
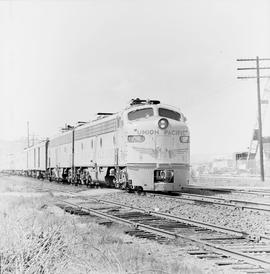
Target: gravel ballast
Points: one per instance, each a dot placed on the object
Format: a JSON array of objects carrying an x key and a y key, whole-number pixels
[{"x": 250, "y": 221}]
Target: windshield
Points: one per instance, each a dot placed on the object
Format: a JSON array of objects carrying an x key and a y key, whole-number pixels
[
  {"x": 140, "y": 113},
  {"x": 163, "y": 112}
]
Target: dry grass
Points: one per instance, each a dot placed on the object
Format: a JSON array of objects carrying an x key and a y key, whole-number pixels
[
  {"x": 30, "y": 241},
  {"x": 37, "y": 237}
]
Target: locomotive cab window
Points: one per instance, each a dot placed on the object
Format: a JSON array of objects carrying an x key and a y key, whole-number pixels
[
  {"x": 140, "y": 113},
  {"x": 168, "y": 113}
]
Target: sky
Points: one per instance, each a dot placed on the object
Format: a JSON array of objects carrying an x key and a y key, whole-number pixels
[{"x": 63, "y": 61}]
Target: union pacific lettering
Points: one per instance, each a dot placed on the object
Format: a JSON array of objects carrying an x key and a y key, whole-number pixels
[
  {"x": 147, "y": 131},
  {"x": 159, "y": 132}
]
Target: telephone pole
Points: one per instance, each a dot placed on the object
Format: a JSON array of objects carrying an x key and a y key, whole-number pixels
[
  {"x": 28, "y": 140},
  {"x": 258, "y": 76}
]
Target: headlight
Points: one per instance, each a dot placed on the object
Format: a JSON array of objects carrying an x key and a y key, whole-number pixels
[
  {"x": 163, "y": 123},
  {"x": 184, "y": 139},
  {"x": 162, "y": 174},
  {"x": 136, "y": 138}
]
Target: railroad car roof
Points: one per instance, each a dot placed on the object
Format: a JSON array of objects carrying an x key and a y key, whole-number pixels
[{"x": 39, "y": 144}]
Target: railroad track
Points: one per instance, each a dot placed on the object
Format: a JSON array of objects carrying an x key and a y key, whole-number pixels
[
  {"x": 261, "y": 192},
  {"x": 216, "y": 200},
  {"x": 205, "y": 199},
  {"x": 257, "y": 192},
  {"x": 222, "y": 245}
]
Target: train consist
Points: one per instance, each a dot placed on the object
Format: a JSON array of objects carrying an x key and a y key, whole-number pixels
[{"x": 143, "y": 147}]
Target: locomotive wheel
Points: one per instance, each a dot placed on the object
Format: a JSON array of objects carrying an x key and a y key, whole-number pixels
[
  {"x": 110, "y": 181},
  {"x": 138, "y": 190},
  {"x": 127, "y": 189}
]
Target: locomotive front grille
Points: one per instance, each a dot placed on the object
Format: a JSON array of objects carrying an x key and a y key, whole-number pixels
[{"x": 163, "y": 176}]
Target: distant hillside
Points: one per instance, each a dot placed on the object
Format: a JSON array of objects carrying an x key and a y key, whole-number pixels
[
  {"x": 10, "y": 147},
  {"x": 204, "y": 158},
  {"x": 200, "y": 158}
]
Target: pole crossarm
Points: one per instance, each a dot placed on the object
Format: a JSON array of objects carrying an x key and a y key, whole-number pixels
[
  {"x": 253, "y": 68},
  {"x": 255, "y": 59},
  {"x": 252, "y": 77}
]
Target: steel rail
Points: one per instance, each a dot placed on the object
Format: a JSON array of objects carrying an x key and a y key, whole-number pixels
[
  {"x": 147, "y": 228},
  {"x": 234, "y": 201},
  {"x": 217, "y": 248},
  {"x": 177, "y": 218},
  {"x": 253, "y": 192},
  {"x": 263, "y": 192},
  {"x": 170, "y": 216},
  {"x": 188, "y": 221},
  {"x": 242, "y": 191},
  {"x": 180, "y": 219},
  {"x": 221, "y": 201}
]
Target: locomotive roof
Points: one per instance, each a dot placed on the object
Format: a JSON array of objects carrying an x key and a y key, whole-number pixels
[
  {"x": 132, "y": 107},
  {"x": 93, "y": 122},
  {"x": 110, "y": 116}
]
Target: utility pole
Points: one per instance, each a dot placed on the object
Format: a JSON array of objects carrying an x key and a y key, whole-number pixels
[
  {"x": 73, "y": 151},
  {"x": 33, "y": 139},
  {"x": 27, "y": 144},
  {"x": 258, "y": 77},
  {"x": 28, "y": 141}
]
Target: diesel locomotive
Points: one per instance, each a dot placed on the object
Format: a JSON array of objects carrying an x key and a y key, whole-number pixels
[{"x": 143, "y": 147}]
